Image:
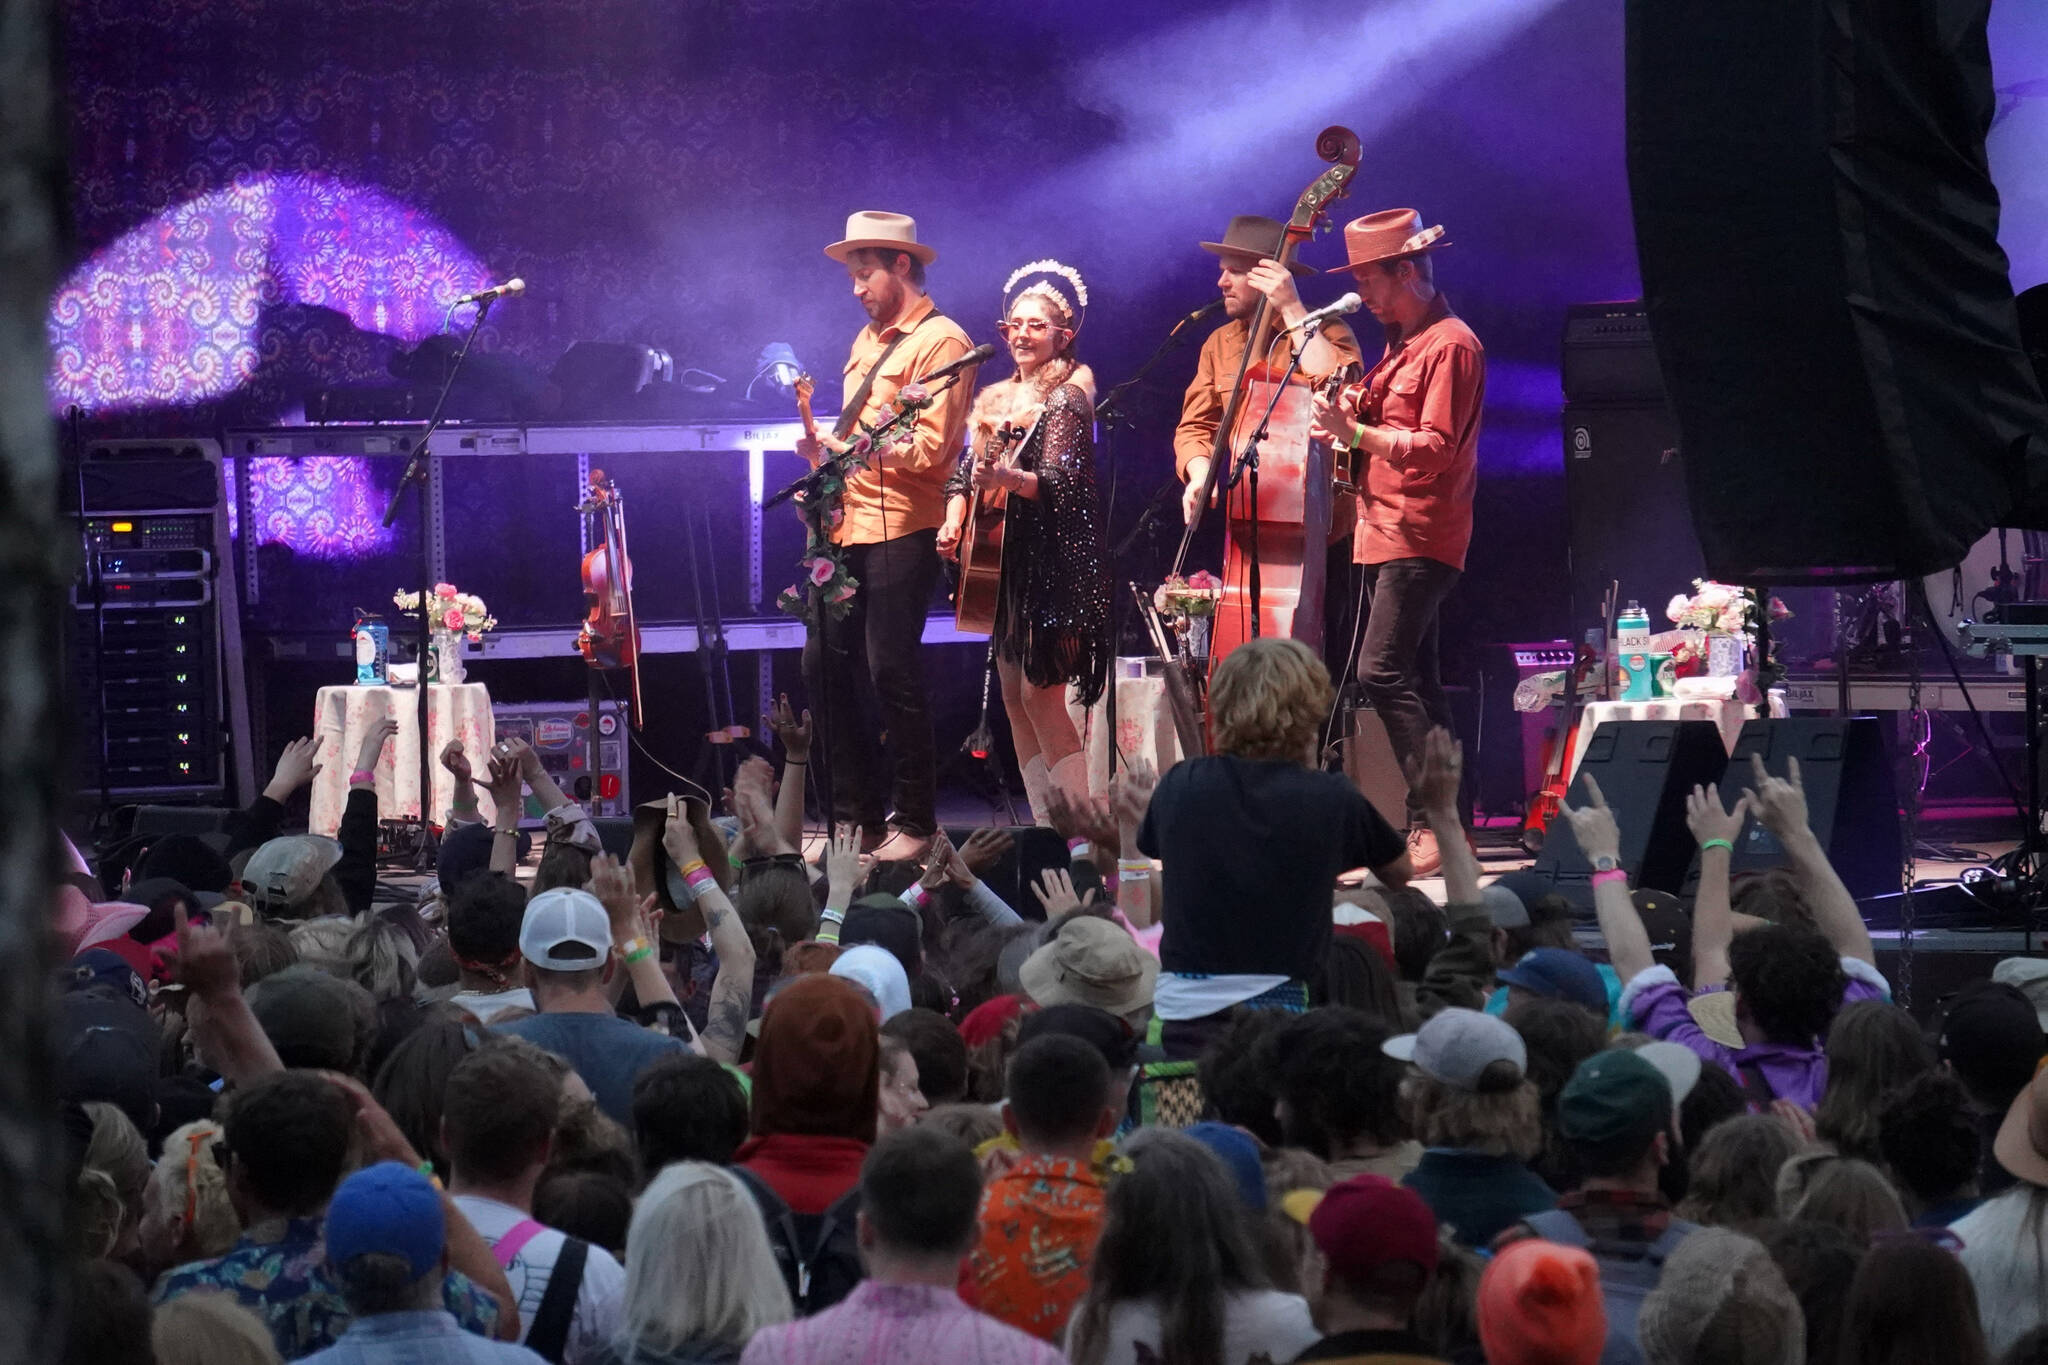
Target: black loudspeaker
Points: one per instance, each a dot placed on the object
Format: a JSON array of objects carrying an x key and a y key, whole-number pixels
[
  {"x": 1644, "y": 768},
  {"x": 1817, "y": 231},
  {"x": 1034, "y": 848},
  {"x": 1629, "y": 521},
  {"x": 1851, "y": 798}
]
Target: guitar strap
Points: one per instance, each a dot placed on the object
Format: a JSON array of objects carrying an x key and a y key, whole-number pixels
[{"x": 858, "y": 404}]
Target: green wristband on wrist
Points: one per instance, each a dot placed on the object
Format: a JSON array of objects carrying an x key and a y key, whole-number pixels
[{"x": 1717, "y": 843}]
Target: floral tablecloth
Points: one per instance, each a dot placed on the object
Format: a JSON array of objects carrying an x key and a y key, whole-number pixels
[
  {"x": 342, "y": 715},
  {"x": 1144, "y": 724},
  {"x": 1727, "y": 716}
]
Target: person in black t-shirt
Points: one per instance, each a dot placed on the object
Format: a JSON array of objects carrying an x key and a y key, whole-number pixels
[{"x": 1253, "y": 838}]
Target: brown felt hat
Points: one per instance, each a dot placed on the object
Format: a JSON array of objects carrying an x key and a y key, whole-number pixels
[
  {"x": 651, "y": 865},
  {"x": 2022, "y": 1143},
  {"x": 1251, "y": 234}
]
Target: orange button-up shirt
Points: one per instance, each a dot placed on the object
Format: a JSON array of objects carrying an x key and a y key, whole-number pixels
[
  {"x": 904, "y": 491},
  {"x": 1040, "y": 1221},
  {"x": 1207, "y": 396},
  {"x": 1428, "y": 389}
]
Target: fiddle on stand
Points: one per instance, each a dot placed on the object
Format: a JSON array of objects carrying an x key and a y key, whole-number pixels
[
  {"x": 610, "y": 638},
  {"x": 419, "y": 474}
]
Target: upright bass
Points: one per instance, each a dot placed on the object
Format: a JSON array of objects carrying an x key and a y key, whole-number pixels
[{"x": 1276, "y": 517}]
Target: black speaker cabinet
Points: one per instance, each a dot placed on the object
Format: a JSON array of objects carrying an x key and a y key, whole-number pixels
[
  {"x": 1034, "y": 849},
  {"x": 1852, "y": 801},
  {"x": 1629, "y": 521},
  {"x": 1644, "y": 769}
]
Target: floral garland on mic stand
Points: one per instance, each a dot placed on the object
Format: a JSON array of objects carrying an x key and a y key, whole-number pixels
[{"x": 826, "y": 586}]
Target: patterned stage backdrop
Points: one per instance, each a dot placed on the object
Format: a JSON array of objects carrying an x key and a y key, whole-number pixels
[{"x": 272, "y": 195}]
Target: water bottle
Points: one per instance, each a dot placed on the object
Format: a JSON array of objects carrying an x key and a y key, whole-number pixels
[
  {"x": 1632, "y": 630},
  {"x": 373, "y": 651}
]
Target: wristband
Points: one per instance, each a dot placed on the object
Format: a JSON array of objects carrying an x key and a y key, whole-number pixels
[
  {"x": 363, "y": 775},
  {"x": 1717, "y": 843},
  {"x": 1078, "y": 849},
  {"x": 1357, "y": 435},
  {"x": 916, "y": 896},
  {"x": 693, "y": 866},
  {"x": 795, "y": 762},
  {"x": 1134, "y": 865},
  {"x": 1613, "y": 874},
  {"x": 637, "y": 951},
  {"x": 426, "y": 1168}
]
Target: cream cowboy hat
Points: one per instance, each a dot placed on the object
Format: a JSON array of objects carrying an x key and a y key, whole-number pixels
[
  {"x": 869, "y": 230},
  {"x": 1385, "y": 237}
]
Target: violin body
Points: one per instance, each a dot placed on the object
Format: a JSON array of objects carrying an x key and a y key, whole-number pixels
[{"x": 610, "y": 638}]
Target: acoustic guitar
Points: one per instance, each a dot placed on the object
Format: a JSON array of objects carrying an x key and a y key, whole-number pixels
[
  {"x": 806, "y": 387},
  {"x": 981, "y": 541}
]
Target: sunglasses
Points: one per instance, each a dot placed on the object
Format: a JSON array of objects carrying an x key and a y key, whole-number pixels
[{"x": 1035, "y": 327}]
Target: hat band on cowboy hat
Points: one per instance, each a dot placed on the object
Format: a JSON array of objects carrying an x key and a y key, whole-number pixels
[
  {"x": 1387, "y": 236},
  {"x": 1254, "y": 235},
  {"x": 871, "y": 230}
]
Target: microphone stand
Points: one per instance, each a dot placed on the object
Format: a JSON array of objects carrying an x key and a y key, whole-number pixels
[
  {"x": 417, "y": 474},
  {"x": 1248, "y": 463},
  {"x": 1107, "y": 417}
]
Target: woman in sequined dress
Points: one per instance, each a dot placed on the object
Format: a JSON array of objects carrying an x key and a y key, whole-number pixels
[{"x": 1052, "y": 618}]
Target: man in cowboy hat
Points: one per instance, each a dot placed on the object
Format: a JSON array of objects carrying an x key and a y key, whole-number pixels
[
  {"x": 1415, "y": 431},
  {"x": 1249, "y": 270},
  {"x": 888, "y": 536}
]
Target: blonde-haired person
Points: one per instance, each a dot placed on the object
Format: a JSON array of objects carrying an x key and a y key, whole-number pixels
[
  {"x": 186, "y": 1213},
  {"x": 111, "y": 1181},
  {"x": 209, "y": 1329},
  {"x": 701, "y": 1279},
  {"x": 1052, "y": 618},
  {"x": 1252, "y": 838}
]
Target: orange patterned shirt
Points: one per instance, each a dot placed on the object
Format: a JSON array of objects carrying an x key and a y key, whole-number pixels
[
  {"x": 905, "y": 490},
  {"x": 1039, "y": 1224}
]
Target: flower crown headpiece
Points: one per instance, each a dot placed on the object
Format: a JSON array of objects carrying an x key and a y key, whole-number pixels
[{"x": 1048, "y": 271}]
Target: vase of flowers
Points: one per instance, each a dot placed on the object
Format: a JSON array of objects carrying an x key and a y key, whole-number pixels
[
  {"x": 1727, "y": 616},
  {"x": 1189, "y": 606},
  {"x": 452, "y": 617}
]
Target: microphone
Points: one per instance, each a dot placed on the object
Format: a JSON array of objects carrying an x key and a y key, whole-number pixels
[
  {"x": 1204, "y": 311},
  {"x": 515, "y": 285},
  {"x": 1350, "y": 303},
  {"x": 968, "y": 361}
]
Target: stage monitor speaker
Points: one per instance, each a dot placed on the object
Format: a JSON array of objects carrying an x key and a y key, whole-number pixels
[
  {"x": 1818, "y": 235},
  {"x": 1626, "y": 509},
  {"x": 1852, "y": 801},
  {"x": 1644, "y": 768},
  {"x": 1034, "y": 849}
]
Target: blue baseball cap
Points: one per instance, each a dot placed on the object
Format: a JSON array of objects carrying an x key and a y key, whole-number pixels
[
  {"x": 1560, "y": 974},
  {"x": 1240, "y": 1156},
  {"x": 390, "y": 1210}
]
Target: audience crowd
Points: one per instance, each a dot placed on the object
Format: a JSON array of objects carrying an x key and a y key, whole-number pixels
[{"x": 672, "y": 1094}]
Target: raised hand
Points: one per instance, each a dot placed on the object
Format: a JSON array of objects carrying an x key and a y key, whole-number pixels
[
  {"x": 456, "y": 761},
  {"x": 795, "y": 734},
  {"x": 1708, "y": 821},
  {"x": 612, "y": 883},
  {"x": 1434, "y": 778},
  {"x": 295, "y": 768},
  {"x": 383, "y": 1139},
  {"x": 375, "y": 738},
  {"x": 1055, "y": 891},
  {"x": 1779, "y": 802},
  {"x": 982, "y": 851},
  {"x": 678, "y": 835},
  {"x": 1131, "y": 794},
  {"x": 938, "y": 863},
  {"x": 1593, "y": 825},
  {"x": 207, "y": 966},
  {"x": 503, "y": 784},
  {"x": 845, "y": 864}
]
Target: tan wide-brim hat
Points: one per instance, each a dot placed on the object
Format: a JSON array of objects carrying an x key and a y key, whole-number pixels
[
  {"x": 1090, "y": 961},
  {"x": 1387, "y": 236},
  {"x": 2022, "y": 1142},
  {"x": 1714, "y": 1012},
  {"x": 1251, "y": 234},
  {"x": 872, "y": 231}
]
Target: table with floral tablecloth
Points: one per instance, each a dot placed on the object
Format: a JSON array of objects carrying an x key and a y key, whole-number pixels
[{"x": 343, "y": 715}]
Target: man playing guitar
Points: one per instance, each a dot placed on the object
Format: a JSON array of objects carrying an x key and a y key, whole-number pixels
[
  {"x": 892, "y": 511},
  {"x": 1412, "y": 426}
]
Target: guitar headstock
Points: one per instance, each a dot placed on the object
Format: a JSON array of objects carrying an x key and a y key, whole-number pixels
[{"x": 804, "y": 388}]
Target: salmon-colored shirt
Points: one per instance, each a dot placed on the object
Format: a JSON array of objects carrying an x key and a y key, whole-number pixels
[
  {"x": 905, "y": 490},
  {"x": 1207, "y": 396},
  {"x": 1427, "y": 389}
]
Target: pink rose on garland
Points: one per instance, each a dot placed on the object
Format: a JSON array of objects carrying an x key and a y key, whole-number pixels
[
  {"x": 842, "y": 593},
  {"x": 910, "y": 395},
  {"x": 822, "y": 570},
  {"x": 862, "y": 444}
]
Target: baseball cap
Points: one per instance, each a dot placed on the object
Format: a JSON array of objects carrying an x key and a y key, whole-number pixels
[
  {"x": 387, "y": 1209},
  {"x": 311, "y": 1018},
  {"x": 1992, "y": 1036},
  {"x": 1669, "y": 927},
  {"x": 875, "y": 969},
  {"x": 2029, "y": 976},
  {"x": 1679, "y": 1063},
  {"x": 888, "y": 922},
  {"x": 565, "y": 930},
  {"x": 1457, "y": 1045},
  {"x": 186, "y": 858},
  {"x": 81, "y": 924},
  {"x": 284, "y": 872},
  {"x": 1367, "y": 1222},
  {"x": 99, "y": 971},
  {"x": 1614, "y": 1096},
  {"x": 1091, "y": 961},
  {"x": 1240, "y": 1156},
  {"x": 1508, "y": 898},
  {"x": 1560, "y": 974},
  {"x": 106, "y": 1049}
]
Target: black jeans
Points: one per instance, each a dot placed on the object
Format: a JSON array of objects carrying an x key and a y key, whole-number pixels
[
  {"x": 1397, "y": 662},
  {"x": 875, "y": 653}
]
